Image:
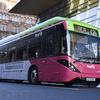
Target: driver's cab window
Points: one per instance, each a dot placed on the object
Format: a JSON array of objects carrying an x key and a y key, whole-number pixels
[{"x": 63, "y": 45}]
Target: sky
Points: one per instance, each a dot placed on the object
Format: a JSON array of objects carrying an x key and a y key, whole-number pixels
[{"x": 10, "y": 3}]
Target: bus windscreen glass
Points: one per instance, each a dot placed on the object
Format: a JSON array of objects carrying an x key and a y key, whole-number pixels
[{"x": 84, "y": 47}]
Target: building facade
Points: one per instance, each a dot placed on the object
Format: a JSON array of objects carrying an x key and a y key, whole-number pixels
[
  {"x": 91, "y": 15},
  {"x": 9, "y": 3},
  {"x": 11, "y": 24},
  {"x": 84, "y": 10}
]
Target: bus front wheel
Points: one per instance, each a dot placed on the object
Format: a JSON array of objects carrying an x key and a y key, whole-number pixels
[{"x": 33, "y": 76}]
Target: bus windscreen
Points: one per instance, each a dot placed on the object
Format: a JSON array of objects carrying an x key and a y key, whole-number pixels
[{"x": 85, "y": 47}]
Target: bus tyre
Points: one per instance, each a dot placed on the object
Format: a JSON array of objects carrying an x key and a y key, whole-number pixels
[{"x": 33, "y": 76}]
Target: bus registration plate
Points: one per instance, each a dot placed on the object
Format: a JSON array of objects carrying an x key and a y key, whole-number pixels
[{"x": 91, "y": 79}]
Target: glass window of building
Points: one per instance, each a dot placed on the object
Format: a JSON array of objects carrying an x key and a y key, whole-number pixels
[
  {"x": 4, "y": 16},
  {"x": 0, "y": 16},
  {"x": 92, "y": 12},
  {"x": 82, "y": 16},
  {"x": 98, "y": 23},
  {"x": 7, "y": 17},
  {"x": 89, "y": 16},
  {"x": 29, "y": 21},
  {"x": 90, "y": 19},
  {"x": 18, "y": 19},
  {"x": 16, "y": 29},
  {"x": 12, "y": 18},
  {"x": 3, "y": 27},
  {"x": 15, "y": 19}
]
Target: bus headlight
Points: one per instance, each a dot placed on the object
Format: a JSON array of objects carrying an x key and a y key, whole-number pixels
[
  {"x": 68, "y": 65},
  {"x": 73, "y": 68}
]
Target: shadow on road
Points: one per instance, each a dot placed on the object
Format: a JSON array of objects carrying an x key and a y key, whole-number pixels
[{"x": 49, "y": 84}]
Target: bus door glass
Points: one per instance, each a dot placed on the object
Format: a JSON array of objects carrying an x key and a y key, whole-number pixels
[{"x": 34, "y": 49}]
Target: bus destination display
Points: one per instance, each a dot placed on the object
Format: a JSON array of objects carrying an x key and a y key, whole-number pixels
[{"x": 85, "y": 30}]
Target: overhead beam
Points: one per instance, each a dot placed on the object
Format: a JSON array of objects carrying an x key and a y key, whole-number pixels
[{"x": 33, "y": 7}]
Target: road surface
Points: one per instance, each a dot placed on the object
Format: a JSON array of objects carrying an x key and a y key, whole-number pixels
[{"x": 20, "y": 91}]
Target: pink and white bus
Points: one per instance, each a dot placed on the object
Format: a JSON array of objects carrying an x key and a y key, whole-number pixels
[{"x": 58, "y": 50}]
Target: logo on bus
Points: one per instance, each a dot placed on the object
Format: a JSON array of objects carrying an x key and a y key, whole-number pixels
[
  {"x": 38, "y": 34},
  {"x": 98, "y": 72},
  {"x": 91, "y": 66}
]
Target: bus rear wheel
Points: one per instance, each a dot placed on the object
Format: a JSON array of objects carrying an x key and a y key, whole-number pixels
[{"x": 33, "y": 76}]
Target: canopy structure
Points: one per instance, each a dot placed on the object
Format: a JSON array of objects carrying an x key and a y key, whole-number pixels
[{"x": 33, "y": 7}]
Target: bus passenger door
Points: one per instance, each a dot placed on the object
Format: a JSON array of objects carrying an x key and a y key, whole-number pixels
[
  {"x": 48, "y": 70},
  {"x": 50, "y": 48},
  {"x": 43, "y": 69}
]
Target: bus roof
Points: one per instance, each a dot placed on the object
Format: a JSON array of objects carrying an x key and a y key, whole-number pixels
[{"x": 41, "y": 26}]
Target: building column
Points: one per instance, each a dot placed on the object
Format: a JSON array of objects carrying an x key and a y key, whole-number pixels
[{"x": 98, "y": 15}]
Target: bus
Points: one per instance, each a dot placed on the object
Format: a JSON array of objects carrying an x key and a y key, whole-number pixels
[{"x": 59, "y": 50}]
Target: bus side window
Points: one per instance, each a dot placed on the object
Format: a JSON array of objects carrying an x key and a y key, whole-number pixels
[
  {"x": 33, "y": 52},
  {"x": 34, "y": 48},
  {"x": 21, "y": 53},
  {"x": 1, "y": 56},
  {"x": 12, "y": 54},
  {"x": 24, "y": 54},
  {"x": 5, "y": 56}
]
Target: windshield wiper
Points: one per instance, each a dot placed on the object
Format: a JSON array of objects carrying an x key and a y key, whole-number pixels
[{"x": 76, "y": 60}]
